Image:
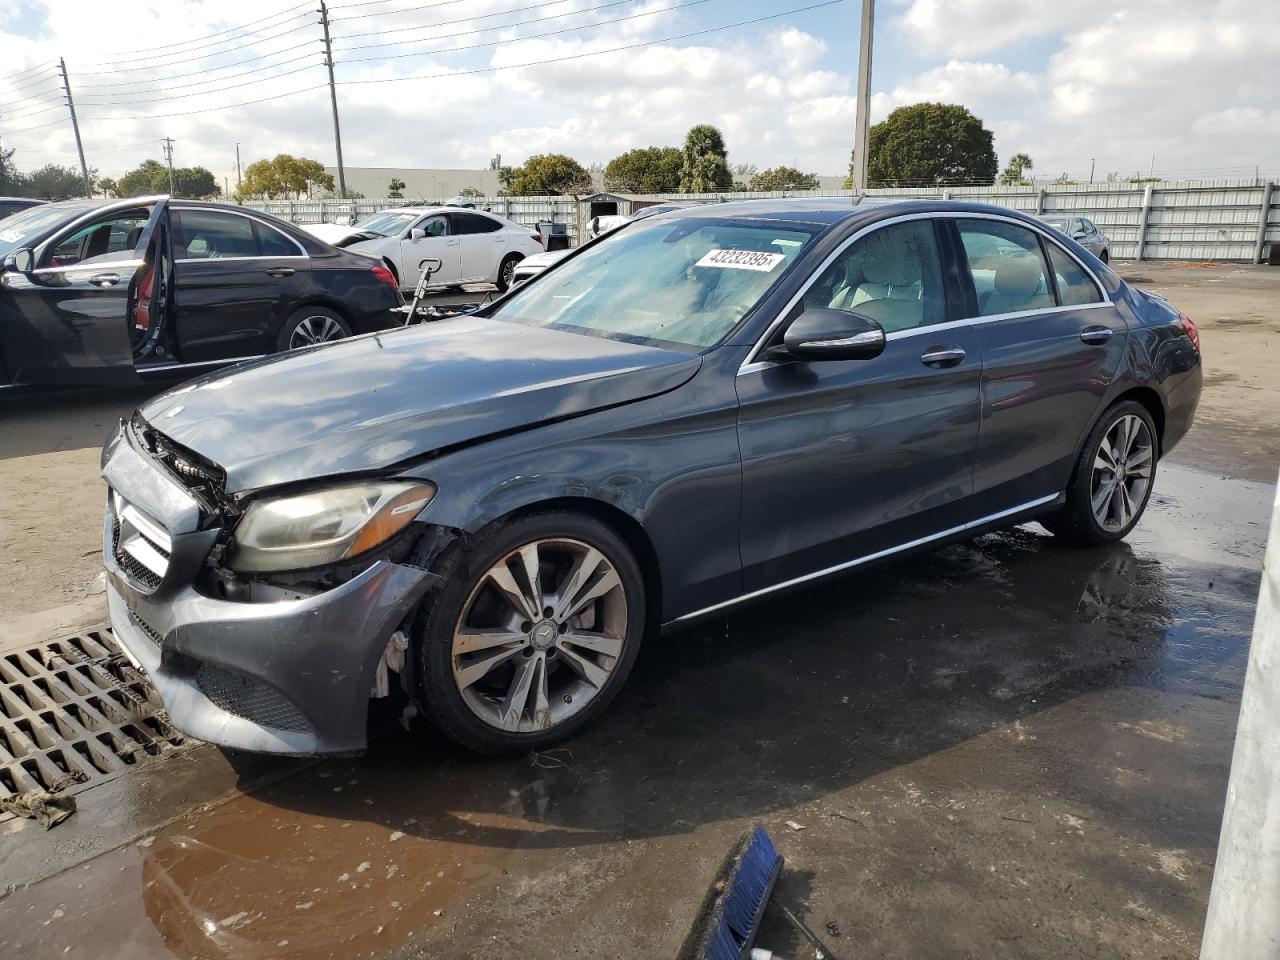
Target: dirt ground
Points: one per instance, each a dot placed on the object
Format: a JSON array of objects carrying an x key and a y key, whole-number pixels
[{"x": 1003, "y": 748}]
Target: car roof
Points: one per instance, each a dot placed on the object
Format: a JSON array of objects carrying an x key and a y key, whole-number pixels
[
  {"x": 828, "y": 211},
  {"x": 31, "y": 200}
]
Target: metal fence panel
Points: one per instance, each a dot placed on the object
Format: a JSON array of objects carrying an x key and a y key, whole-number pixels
[{"x": 1193, "y": 220}]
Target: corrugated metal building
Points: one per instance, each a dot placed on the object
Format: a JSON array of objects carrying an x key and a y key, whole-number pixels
[{"x": 418, "y": 183}]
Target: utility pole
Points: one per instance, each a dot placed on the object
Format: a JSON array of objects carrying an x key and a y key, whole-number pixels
[
  {"x": 862, "y": 115},
  {"x": 333, "y": 99},
  {"x": 168, "y": 152},
  {"x": 75, "y": 126},
  {"x": 238, "y": 179},
  {"x": 1092, "y": 161}
]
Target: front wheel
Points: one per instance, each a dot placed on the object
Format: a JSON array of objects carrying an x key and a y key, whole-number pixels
[
  {"x": 1111, "y": 484},
  {"x": 310, "y": 326},
  {"x": 1104, "y": 257},
  {"x": 533, "y": 632}
]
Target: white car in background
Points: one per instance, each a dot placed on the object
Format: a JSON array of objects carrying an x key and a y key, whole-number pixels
[{"x": 472, "y": 246}]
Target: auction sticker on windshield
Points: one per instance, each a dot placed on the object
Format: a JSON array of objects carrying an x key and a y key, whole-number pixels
[{"x": 741, "y": 260}]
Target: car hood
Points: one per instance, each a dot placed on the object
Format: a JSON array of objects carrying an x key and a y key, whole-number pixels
[
  {"x": 375, "y": 401},
  {"x": 543, "y": 260}
]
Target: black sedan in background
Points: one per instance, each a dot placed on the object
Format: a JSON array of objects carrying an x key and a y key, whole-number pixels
[
  {"x": 694, "y": 411},
  {"x": 94, "y": 291},
  {"x": 12, "y": 205}
]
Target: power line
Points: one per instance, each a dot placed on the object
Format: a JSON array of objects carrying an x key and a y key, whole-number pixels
[
  {"x": 397, "y": 10},
  {"x": 173, "y": 59},
  {"x": 482, "y": 16},
  {"x": 226, "y": 106},
  {"x": 500, "y": 26},
  {"x": 24, "y": 72},
  {"x": 6, "y": 117},
  {"x": 197, "y": 73},
  {"x": 532, "y": 36},
  {"x": 597, "y": 53},
  {"x": 202, "y": 93},
  {"x": 33, "y": 83},
  {"x": 221, "y": 33}
]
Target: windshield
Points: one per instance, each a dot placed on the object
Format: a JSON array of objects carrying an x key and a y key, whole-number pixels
[
  {"x": 1057, "y": 223},
  {"x": 386, "y": 224},
  {"x": 28, "y": 228},
  {"x": 685, "y": 283}
]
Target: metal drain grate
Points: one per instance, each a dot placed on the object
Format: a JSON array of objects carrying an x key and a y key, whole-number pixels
[{"x": 75, "y": 713}]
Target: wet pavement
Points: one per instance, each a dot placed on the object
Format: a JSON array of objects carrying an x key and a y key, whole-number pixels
[{"x": 1001, "y": 748}]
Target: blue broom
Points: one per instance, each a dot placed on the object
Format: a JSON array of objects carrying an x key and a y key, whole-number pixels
[{"x": 733, "y": 916}]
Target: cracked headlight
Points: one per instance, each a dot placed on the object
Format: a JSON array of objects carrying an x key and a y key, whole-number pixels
[{"x": 325, "y": 526}]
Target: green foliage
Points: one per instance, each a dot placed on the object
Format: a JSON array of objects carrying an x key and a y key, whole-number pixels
[
  {"x": 783, "y": 178},
  {"x": 394, "y": 187},
  {"x": 470, "y": 192},
  {"x": 152, "y": 176},
  {"x": 551, "y": 174},
  {"x": 930, "y": 143},
  {"x": 645, "y": 170},
  {"x": 284, "y": 176},
  {"x": 1018, "y": 164},
  {"x": 705, "y": 168},
  {"x": 53, "y": 182}
]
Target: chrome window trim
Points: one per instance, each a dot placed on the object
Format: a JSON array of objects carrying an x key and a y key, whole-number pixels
[
  {"x": 291, "y": 256},
  {"x": 100, "y": 266},
  {"x": 300, "y": 255},
  {"x": 751, "y": 364},
  {"x": 889, "y": 551}
]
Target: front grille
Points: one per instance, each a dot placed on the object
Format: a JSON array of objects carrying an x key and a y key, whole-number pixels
[
  {"x": 249, "y": 698},
  {"x": 152, "y": 633},
  {"x": 139, "y": 546}
]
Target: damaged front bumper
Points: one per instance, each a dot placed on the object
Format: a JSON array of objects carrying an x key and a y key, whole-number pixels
[{"x": 288, "y": 676}]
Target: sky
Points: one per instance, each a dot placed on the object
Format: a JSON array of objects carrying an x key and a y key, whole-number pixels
[{"x": 1187, "y": 86}]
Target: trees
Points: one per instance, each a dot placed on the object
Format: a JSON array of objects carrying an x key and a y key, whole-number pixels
[
  {"x": 151, "y": 176},
  {"x": 284, "y": 176},
  {"x": 930, "y": 143},
  {"x": 54, "y": 182},
  {"x": 645, "y": 170},
  {"x": 394, "y": 188},
  {"x": 548, "y": 173},
  {"x": 783, "y": 178},
  {"x": 706, "y": 167},
  {"x": 1013, "y": 170}
]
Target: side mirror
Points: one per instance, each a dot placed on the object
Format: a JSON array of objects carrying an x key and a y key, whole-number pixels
[
  {"x": 1079, "y": 234},
  {"x": 826, "y": 334},
  {"x": 20, "y": 261},
  {"x": 417, "y": 233}
]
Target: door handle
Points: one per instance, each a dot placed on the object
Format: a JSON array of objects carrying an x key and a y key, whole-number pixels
[
  {"x": 280, "y": 271},
  {"x": 1096, "y": 335},
  {"x": 948, "y": 356},
  {"x": 105, "y": 279}
]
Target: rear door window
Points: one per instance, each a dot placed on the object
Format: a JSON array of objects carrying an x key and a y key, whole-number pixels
[
  {"x": 273, "y": 243},
  {"x": 464, "y": 223},
  {"x": 1007, "y": 265},
  {"x": 1075, "y": 288},
  {"x": 212, "y": 235}
]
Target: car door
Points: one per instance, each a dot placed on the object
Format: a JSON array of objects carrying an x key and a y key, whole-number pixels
[
  {"x": 1052, "y": 345},
  {"x": 73, "y": 315},
  {"x": 844, "y": 459},
  {"x": 237, "y": 280},
  {"x": 482, "y": 243},
  {"x": 429, "y": 237}
]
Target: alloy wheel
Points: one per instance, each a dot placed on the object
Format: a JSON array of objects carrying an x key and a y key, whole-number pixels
[
  {"x": 540, "y": 635},
  {"x": 1121, "y": 475},
  {"x": 313, "y": 330},
  {"x": 508, "y": 272}
]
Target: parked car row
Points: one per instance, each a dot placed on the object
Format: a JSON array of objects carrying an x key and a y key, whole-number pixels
[
  {"x": 11, "y": 205},
  {"x": 697, "y": 409},
  {"x": 97, "y": 291}
]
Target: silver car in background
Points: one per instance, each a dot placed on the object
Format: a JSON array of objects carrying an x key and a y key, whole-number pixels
[{"x": 1084, "y": 232}]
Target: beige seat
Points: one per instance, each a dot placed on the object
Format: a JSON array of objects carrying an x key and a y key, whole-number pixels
[
  {"x": 1017, "y": 285},
  {"x": 888, "y": 290}
]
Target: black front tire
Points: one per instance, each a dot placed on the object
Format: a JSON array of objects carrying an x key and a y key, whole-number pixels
[
  {"x": 462, "y": 568},
  {"x": 1075, "y": 522}
]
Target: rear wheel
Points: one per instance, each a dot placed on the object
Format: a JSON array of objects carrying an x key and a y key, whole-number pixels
[
  {"x": 1111, "y": 484},
  {"x": 507, "y": 270},
  {"x": 310, "y": 326},
  {"x": 1104, "y": 257},
  {"x": 533, "y": 632}
]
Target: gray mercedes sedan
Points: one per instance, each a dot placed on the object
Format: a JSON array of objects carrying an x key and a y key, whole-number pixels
[{"x": 697, "y": 410}]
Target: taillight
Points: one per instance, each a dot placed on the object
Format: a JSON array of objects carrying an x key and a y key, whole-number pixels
[
  {"x": 1190, "y": 330},
  {"x": 386, "y": 276},
  {"x": 537, "y": 236}
]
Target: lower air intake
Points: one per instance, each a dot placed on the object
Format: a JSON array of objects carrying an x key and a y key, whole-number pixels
[{"x": 249, "y": 698}]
